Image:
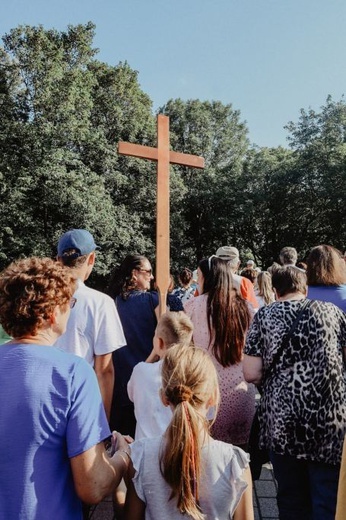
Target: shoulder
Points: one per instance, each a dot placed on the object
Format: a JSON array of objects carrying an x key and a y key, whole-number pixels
[
  {"x": 146, "y": 447},
  {"x": 143, "y": 369},
  {"x": 327, "y": 308},
  {"x": 229, "y": 454},
  {"x": 245, "y": 282},
  {"x": 194, "y": 303},
  {"x": 90, "y": 297}
]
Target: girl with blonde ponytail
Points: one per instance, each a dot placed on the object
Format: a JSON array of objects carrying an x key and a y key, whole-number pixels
[{"x": 185, "y": 473}]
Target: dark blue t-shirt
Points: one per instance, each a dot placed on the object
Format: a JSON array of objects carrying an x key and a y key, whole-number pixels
[{"x": 137, "y": 315}]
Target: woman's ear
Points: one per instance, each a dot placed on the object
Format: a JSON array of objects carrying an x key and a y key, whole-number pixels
[
  {"x": 53, "y": 317},
  {"x": 164, "y": 399}
]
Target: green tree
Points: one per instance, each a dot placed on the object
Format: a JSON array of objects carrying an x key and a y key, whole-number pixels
[
  {"x": 319, "y": 142},
  {"x": 208, "y": 203},
  {"x": 63, "y": 113},
  {"x": 271, "y": 212}
]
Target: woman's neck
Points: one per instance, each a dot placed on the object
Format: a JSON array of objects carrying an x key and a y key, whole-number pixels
[
  {"x": 292, "y": 296},
  {"x": 45, "y": 338}
]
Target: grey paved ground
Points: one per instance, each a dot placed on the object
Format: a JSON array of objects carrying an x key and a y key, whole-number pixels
[{"x": 264, "y": 500}]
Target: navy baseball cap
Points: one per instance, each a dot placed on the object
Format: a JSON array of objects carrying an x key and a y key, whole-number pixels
[{"x": 79, "y": 239}]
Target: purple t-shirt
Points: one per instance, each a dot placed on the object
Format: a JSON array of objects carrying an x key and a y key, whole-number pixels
[
  {"x": 51, "y": 410},
  {"x": 329, "y": 293}
]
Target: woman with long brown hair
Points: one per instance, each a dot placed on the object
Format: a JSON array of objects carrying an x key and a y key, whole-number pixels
[{"x": 221, "y": 318}]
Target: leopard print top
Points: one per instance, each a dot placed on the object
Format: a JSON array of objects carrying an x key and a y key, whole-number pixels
[{"x": 303, "y": 405}]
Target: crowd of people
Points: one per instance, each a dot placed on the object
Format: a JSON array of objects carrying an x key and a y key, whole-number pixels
[{"x": 101, "y": 395}]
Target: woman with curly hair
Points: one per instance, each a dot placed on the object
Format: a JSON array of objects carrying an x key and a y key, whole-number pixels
[{"x": 52, "y": 419}]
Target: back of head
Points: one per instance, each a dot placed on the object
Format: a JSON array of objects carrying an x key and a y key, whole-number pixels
[
  {"x": 231, "y": 254},
  {"x": 250, "y": 274},
  {"x": 216, "y": 273},
  {"x": 190, "y": 384},
  {"x": 74, "y": 246},
  {"x": 227, "y": 312},
  {"x": 325, "y": 266},
  {"x": 122, "y": 281},
  {"x": 288, "y": 256},
  {"x": 30, "y": 289},
  {"x": 185, "y": 276},
  {"x": 289, "y": 279},
  {"x": 265, "y": 288},
  {"x": 175, "y": 328},
  {"x": 273, "y": 267}
]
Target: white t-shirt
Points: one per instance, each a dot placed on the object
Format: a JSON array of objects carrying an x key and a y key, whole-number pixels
[
  {"x": 94, "y": 327},
  {"x": 144, "y": 390},
  {"x": 221, "y": 486}
]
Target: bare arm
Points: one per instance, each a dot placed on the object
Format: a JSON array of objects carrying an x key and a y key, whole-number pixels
[
  {"x": 96, "y": 475},
  {"x": 253, "y": 369},
  {"x": 104, "y": 370},
  {"x": 244, "y": 509},
  {"x": 134, "y": 506}
]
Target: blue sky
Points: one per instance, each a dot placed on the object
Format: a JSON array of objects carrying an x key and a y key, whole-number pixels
[{"x": 268, "y": 58}]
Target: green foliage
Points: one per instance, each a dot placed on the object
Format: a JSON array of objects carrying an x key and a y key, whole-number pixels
[
  {"x": 214, "y": 131},
  {"x": 63, "y": 113}
]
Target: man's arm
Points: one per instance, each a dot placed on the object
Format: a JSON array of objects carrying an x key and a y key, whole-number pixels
[
  {"x": 96, "y": 475},
  {"x": 104, "y": 370}
]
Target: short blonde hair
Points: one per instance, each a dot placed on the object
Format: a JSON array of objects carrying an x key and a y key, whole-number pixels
[
  {"x": 30, "y": 289},
  {"x": 175, "y": 328}
]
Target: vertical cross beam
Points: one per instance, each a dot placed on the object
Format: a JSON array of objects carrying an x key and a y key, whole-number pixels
[
  {"x": 164, "y": 157},
  {"x": 162, "y": 212}
]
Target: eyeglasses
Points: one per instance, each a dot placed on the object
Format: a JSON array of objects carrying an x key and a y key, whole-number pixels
[
  {"x": 148, "y": 271},
  {"x": 73, "y": 302}
]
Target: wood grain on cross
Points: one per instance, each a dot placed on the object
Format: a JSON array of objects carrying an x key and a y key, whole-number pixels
[{"x": 163, "y": 156}]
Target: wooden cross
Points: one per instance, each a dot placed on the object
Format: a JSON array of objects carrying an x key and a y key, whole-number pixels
[{"x": 164, "y": 156}]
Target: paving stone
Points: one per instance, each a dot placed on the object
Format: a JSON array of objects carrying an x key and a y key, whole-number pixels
[
  {"x": 265, "y": 488},
  {"x": 268, "y": 508}
]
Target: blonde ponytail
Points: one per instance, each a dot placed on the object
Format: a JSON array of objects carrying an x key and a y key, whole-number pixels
[{"x": 189, "y": 382}]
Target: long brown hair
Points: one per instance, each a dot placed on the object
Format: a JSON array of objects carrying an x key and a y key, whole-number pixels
[
  {"x": 227, "y": 312},
  {"x": 189, "y": 382}
]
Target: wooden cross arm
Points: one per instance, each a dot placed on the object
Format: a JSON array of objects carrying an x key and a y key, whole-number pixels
[
  {"x": 186, "y": 159},
  {"x": 147, "y": 152},
  {"x": 137, "y": 150}
]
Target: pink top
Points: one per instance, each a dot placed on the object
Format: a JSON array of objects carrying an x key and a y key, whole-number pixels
[{"x": 237, "y": 404}]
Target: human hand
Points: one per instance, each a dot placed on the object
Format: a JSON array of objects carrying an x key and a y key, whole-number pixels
[{"x": 120, "y": 442}]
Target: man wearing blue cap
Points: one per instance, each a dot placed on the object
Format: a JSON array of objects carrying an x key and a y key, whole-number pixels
[{"x": 94, "y": 329}]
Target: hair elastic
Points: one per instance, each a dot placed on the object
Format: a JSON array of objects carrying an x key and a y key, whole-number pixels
[{"x": 192, "y": 440}]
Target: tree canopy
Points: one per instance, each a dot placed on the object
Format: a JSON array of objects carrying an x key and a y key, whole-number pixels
[{"x": 62, "y": 115}]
